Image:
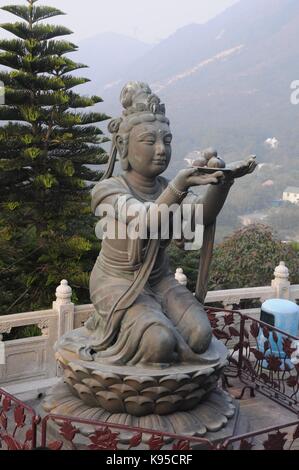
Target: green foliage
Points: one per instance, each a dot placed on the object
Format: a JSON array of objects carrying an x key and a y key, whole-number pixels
[
  {"x": 285, "y": 220},
  {"x": 38, "y": 32},
  {"x": 33, "y": 14},
  {"x": 22, "y": 332},
  {"x": 295, "y": 246},
  {"x": 46, "y": 226},
  {"x": 188, "y": 261},
  {"x": 247, "y": 258}
]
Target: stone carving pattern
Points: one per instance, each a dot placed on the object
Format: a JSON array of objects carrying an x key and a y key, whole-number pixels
[{"x": 119, "y": 393}]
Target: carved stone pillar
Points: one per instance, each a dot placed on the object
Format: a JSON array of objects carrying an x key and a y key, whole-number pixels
[
  {"x": 281, "y": 282},
  {"x": 64, "y": 308},
  {"x": 181, "y": 277}
]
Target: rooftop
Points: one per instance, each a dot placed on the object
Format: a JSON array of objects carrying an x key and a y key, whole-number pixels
[{"x": 291, "y": 189}]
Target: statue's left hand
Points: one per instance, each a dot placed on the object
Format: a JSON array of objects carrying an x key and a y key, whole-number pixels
[{"x": 242, "y": 168}]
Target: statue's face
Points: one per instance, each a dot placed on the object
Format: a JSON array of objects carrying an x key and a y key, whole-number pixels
[{"x": 149, "y": 149}]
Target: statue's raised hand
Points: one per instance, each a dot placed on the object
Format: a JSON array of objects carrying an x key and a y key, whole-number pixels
[
  {"x": 242, "y": 168},
  {"x": 190, "y": 177}
]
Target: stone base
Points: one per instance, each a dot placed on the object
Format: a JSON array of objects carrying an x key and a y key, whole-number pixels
[
  {"x": 215, "y": 419},
  {"x": 182, "y": 399},
  {"x": 140, "y": 391}
]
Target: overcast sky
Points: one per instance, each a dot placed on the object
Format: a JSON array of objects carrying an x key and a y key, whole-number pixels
[{"x": 147, "y": 20}]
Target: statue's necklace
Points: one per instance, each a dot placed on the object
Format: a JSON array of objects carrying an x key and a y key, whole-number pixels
[{"x": 144, "y": 196}]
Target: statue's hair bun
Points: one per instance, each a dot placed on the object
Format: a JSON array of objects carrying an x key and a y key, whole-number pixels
[
  {"x": 131, "y": 91},
  {"x": 140, "y": 105}
]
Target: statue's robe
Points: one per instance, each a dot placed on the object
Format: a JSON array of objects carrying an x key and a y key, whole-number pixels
[{"x": 132, "y": 289}]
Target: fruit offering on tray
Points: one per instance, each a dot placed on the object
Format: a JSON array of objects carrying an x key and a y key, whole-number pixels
[{"x": 207, "y": 160}]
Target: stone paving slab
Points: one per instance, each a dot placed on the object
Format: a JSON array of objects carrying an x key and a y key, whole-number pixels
[{"x": 261, "y": 413}]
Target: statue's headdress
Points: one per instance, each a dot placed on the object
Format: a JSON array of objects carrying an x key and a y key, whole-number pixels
[
  {"x": 137, "y": 97},
  {"x": 139, "y": 105}
]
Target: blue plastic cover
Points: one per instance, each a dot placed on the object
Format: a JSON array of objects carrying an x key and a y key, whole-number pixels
[{"x": 280, "y": 306}]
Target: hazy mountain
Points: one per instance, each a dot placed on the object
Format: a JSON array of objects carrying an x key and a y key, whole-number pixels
[
  {"x": 108, "y": 56},
  {"x": 225, "y": 83}
]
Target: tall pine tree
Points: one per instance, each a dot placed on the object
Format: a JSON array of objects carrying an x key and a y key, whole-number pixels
[{"x": 48, "y": 149}]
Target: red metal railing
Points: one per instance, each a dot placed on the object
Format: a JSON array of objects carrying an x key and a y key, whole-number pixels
[
  {"x": 260, "y": 357},
  {"x": 283, "y": 437},
  {"x": 18, "y": 424},
  {"x": 80, "y": 434}
]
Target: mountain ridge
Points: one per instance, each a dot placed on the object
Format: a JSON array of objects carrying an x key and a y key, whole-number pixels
[{"x": 225, "y": 83}]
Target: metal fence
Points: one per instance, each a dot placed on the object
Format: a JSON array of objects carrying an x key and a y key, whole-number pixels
[
  {"x": 262, "y": 358},
  {"x": 18, "y": 424},
  {"x": 81, "y": 434}
]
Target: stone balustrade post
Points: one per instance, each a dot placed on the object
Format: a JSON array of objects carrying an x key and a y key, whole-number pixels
[
  {"x": 181, "y": 277},
  {"x": 281, "y": 282},
  {"x": 2, "y": 354},
  {"x": 65, "y": 308}
]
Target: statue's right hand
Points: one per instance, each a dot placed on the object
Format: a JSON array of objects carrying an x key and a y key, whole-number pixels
[{"x": 185, "y": 179}]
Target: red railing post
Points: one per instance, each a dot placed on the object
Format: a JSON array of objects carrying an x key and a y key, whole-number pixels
[{"x": 44, "y": 431}]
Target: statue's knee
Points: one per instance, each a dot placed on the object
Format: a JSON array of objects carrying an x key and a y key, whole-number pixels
[
  {"x": 163, "y": 339},
  {"x": 201, "y": 337},
  {"x": 161, "y": 344}
]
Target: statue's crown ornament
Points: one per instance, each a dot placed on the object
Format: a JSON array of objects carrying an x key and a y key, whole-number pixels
[
  {"x": 139, "y": 104},
  {"x": 137, "y": 97}
]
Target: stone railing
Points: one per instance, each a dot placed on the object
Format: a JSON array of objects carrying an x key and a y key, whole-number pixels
[
  {"x": 28, "y": 359},
  {"x": 32, "y": 359},
  {"x": 280, "y": 288}
]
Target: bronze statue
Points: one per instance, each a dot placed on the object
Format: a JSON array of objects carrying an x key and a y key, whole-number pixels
[
  {"x": 148, "y": 351},
  {"x": 143, "y": 316}
]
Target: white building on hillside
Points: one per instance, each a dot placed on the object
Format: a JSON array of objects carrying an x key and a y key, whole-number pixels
[{"x": 291, "y": 194}]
